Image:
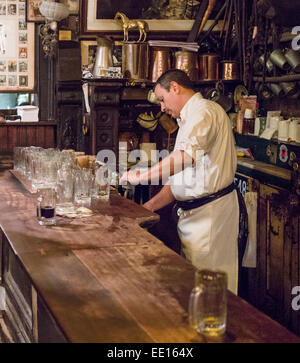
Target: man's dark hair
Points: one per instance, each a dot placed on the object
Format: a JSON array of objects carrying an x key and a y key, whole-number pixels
[{"x": 175, "y": 75}]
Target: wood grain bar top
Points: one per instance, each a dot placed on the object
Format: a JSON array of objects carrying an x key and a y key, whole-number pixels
[{"x": 106, "y": 279}]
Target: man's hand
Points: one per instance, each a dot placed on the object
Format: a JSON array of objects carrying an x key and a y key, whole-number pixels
[{"x": 131, "y": 176}]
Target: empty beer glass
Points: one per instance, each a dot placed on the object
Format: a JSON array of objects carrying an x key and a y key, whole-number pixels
[
  {"x": 82, "y": 186},
  {"x": 65, "y": 190},
  {"x": 208, "y": 303},
  {"x": 101, "y": 187}
]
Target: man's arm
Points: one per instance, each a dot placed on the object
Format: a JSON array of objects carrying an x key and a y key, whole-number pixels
[
  {"x": 161, "y": 199},
  {"x": 170, "y": 165}
]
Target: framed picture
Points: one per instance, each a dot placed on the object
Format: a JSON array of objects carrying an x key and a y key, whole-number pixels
[
  {"x": 97, "y": 16},
  {"x": 16, "y": 49},
  {"x": 88, "y": 52},
  {"x": 33, "y": 12}
]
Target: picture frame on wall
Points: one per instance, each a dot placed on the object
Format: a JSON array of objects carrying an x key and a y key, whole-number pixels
[
  {"x": 17, "y": 50},
  {"x": 88, "y": 52},
  {"x": 97, "y": 16},
  {"x": 33, "y": 14}
]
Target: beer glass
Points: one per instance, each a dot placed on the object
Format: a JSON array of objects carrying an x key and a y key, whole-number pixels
[
  {"x": 208, "y": 303},
  {"x": 83, "y": 186},
  {"x": 101, "y": 189},
  {"x": 46, "y": 203}
]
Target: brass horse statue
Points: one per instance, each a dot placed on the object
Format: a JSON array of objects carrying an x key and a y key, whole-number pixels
[{"x": 128, "y": 24}]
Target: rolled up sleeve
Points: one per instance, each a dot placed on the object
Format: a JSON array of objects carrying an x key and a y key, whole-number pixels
[{"x": 200, "y": 134}]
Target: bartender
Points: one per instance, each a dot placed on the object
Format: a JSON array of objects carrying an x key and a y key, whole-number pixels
[{"x": 201, "y": 169}]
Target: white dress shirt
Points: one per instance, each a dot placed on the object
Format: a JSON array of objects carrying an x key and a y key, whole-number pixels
[{"x": 204, "y": 133}]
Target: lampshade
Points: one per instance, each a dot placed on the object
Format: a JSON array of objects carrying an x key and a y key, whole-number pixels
[{"x": 53, "y": 11}]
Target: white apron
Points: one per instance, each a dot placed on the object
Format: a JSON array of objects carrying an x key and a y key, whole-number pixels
[{"x": 209, "y": 236}]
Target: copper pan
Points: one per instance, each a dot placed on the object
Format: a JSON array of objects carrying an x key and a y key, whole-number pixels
[
  {"x": 188, "y": 61},
  {"x": 208, "y": 67},
  {"x": 230, "y": 70},
  {"x": 160, "y": 61},
  {"x": 135, "y": 60}
]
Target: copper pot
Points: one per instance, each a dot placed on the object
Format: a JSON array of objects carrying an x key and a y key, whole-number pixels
[
  {"x": 135, "y": 60},
  {"x": 209, "y": 67},
  {"x": 230, "y": 70},
  {"x": 188, "y": 61},
  {"x": 160, "y": 61}
]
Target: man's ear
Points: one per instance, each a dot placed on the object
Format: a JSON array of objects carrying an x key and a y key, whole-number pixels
[{"x": 175, "y": 87}]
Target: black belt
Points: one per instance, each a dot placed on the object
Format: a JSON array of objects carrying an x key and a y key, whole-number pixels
[{"x": 198, "y": 202}]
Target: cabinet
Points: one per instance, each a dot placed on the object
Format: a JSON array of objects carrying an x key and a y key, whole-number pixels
[
  {"x": 278, "y": 257},
  {"x": 69, "y": 115},
  {"x": 103, "y": 120},
  {"x": 27, "y": 318},
  {"x": 269, "y": 285}
]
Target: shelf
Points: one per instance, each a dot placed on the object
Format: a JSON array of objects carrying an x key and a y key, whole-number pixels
[
  {"x": 38, "y": 123},
  {"x": 286, "y": 78}
]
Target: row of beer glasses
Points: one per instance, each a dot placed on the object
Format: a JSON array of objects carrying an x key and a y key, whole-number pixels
[{"x": 60, "y": 170}]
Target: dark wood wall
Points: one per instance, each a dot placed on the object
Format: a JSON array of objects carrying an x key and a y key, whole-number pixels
[{"x": 41, "y": 134}]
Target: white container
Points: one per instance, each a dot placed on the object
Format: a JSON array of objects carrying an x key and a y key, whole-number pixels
[
  {"x": 294, "y": 130},
  {"x": 283, "y": 130},
  {"x": 28, "y": 113},
  {"x": 274, "y": 122}
]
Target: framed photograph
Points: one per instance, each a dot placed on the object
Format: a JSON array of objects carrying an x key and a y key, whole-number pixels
[
  {"x": 33, "y": 12},
  {"x": 88, "y": 52},
  {"x": 17, "y": 60},
  {"x": 97, "y": 16}
]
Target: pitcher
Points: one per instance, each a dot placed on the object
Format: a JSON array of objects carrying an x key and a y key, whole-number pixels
[{"x": 103, "y": 56}]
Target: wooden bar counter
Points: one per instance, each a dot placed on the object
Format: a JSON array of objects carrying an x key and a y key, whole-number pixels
[{"x": 103, "y": 278}]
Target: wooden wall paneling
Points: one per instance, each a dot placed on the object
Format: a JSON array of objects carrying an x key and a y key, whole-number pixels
[
  {"x": 41, "y": 136},
  {"x": 22, "y": 135},
  {"x": 31, "y": 135},
  {"x": 49, "y": 137},
  {"x": 3, "y": 138},
  {"x": 12, "y": 138}
]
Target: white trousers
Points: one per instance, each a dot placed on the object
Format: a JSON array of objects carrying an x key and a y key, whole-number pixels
[{"x": 209, "y": 236}]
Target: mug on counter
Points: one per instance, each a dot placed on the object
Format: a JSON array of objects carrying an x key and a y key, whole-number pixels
[{"x": 208, "y": 303}]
